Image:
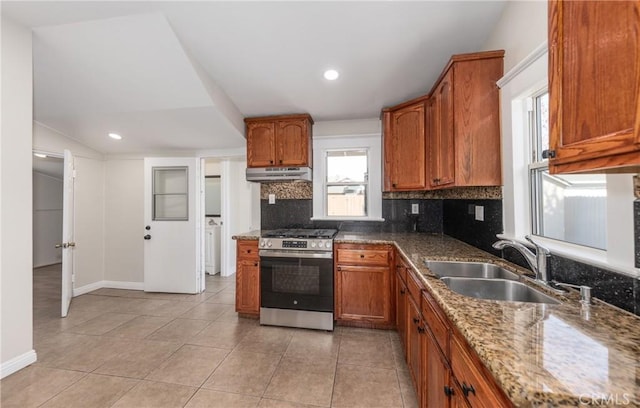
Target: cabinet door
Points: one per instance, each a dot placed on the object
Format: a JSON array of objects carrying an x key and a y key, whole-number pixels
[
  {"x": 405, "y": 149},
  {"x": 401, "y": 311},
  {"x": 363, "y": 294},
  {"x": 261, "y": 147},
  {"x": 439, "y": 386},
  {"x": 248, "y": 287},
  {"x": 292, "y": 141},
  {"x": 594, "y": 85},
  {"x": 414, "y": 324},
  {"x": 443, "y": 154}
]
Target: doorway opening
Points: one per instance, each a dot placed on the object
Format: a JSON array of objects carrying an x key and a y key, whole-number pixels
[
  {"x": 226, "y": 190},
  {"x": 48, "y": 191}
]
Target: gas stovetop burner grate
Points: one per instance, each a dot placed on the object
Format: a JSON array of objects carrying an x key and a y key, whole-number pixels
[{"x": 301, "y": 233}]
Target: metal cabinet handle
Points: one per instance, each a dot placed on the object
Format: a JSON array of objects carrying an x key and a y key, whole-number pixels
[
  {"x": 416, "y": 320},
  {"x": 468, "y": 389},
  {"x": 420, "y": 329},
  {"x": 147, "y": 237},
  {"x": 448, "y": 391},
  {"x": 403, "y": 291}
]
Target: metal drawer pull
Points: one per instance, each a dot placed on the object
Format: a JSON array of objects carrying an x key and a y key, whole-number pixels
[{"x": 466, "y": 389}]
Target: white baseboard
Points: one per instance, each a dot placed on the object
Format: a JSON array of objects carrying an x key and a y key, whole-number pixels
[
  {"x": 107, "y": 284},
  {"x": 17, "y": 363},
  {"x": 123, "y": 285},
  {"x": 87, "y": 288}
]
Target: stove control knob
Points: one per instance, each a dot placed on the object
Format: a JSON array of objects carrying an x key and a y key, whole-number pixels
[
  {"x": 313, "y": 244},
  {"x": 328, "y": 244},
  {"x": 269, "y": 244},
  {"x": 262, "y": 243}
]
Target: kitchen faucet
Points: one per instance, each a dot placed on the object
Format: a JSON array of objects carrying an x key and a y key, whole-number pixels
[{"x": 537, "y": 261}]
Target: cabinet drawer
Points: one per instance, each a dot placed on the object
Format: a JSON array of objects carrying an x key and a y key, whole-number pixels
[
  {"x": 436, "y": 322},
  {"x": 248, "y": 250},
  {"x": 478, "y": 389},
  {"x": 414, "y": 286},
  {"x": 379, "y": 257}
]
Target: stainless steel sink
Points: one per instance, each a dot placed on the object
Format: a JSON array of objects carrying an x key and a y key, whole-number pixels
[
  {"x": 497, "y": 289},
  {"x": 469, "y": 270}
]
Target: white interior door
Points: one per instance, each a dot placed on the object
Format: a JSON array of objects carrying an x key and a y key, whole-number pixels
[
  {"x": 68, "y": 242},
  {"x": 171, "y": 212}
]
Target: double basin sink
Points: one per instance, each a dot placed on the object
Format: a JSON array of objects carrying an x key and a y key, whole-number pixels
[{"x": 486, "y": 281}]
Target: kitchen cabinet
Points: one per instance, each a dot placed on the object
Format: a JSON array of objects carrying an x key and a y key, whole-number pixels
[
  {"x": 401, "y": 295},
  {"x": 363, "y": 285},
  {"x": 247, "y": 278},
  {"x": 440, "y": 135},
  {"x": 464, "y": 135},
  {"x": 279, "y": 141},
  {"x": 404, "y": 145},
  {"x": 445, "y": 370},
  {"x": 415, "y": 328},
  {"x": 594, "y": 86}
]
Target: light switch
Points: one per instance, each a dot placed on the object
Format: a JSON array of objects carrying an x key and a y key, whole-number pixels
[
  {"x": 415, "y": 209},
  {"x": 479, "y": 213},
  {"x": 272, "y": 198}
]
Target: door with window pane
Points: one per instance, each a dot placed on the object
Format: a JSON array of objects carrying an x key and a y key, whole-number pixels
[{"x": 169, "y": 234}]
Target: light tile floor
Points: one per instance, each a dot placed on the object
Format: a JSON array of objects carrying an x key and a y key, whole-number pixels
[{"x": 123, "y": 348}]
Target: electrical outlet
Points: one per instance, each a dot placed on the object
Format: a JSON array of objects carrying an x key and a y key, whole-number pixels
[
  {"x": 415, "y": 208},
  {"x": 479, "y": 213},
  {"x": 272, "y": 198}
]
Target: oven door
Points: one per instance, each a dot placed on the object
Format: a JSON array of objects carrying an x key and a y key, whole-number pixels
[{"x": 296, "y": 280}]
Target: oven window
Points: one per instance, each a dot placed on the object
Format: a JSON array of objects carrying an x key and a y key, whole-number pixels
[{"x": 296, "y": 279}]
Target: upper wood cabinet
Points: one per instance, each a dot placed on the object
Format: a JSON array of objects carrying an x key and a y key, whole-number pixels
[
  {"x": 440, "y": 135},
  {"x": 594, "y": 86},
  {"x": 404, "y": 144},
  {"x": 276, "y": 141},
  {"x": 464, "y": 136}
]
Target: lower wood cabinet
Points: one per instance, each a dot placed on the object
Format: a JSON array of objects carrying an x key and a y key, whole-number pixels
[
  {"x": 363, "y": 285},
  {"x": 247, "y": 278},
  {"x": 445, "y": 370}
]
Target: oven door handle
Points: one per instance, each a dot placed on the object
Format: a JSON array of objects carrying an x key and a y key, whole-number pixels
[{"x": 300, "y": 254}]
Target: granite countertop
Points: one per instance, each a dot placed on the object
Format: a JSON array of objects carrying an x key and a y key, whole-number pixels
[
  {"x": 247, "y": 236},
  {"x": 540, "y": 354}
]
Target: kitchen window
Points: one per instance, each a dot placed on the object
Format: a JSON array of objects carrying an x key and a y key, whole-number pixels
[
  {"x": 564, "y": 207},
  {"x": 349, "y": 176}
]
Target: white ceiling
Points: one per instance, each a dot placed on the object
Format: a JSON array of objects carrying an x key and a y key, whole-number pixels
[{"x": 181, "y": 75}]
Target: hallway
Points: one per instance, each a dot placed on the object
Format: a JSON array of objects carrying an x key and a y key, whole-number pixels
[{"x": 122, "y": 348}]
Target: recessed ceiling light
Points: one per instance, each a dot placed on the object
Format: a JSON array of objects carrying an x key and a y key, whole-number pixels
[
  {"x": 40, "y": 155},
  {"x": 115, "y": 136},
  {"x": 331, "y": 74}
]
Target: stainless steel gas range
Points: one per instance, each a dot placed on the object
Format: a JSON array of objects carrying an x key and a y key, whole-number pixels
[{"x": 296, "y": 278}]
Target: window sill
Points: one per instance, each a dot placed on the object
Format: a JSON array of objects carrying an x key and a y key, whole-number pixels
[
  {"x": 376, "y": 219},
  {"x": 590, "y": 256}
]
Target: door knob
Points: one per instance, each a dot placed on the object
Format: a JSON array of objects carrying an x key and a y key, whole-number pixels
[{"x": 147, "y": 237}]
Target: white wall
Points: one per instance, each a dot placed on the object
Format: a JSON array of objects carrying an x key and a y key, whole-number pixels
[
  {"x": 16, "y": 310},
  {"x": 124, "y": 216},
  {"x": 522, "y": 27},
  {"x": 47, "y": 219}
]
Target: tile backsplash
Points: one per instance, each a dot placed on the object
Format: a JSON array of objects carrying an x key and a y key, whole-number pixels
[{"x": 396, "y": 213}]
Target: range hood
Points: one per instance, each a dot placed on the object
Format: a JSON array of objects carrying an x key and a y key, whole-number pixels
[{"x": 267, "y": 174}]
